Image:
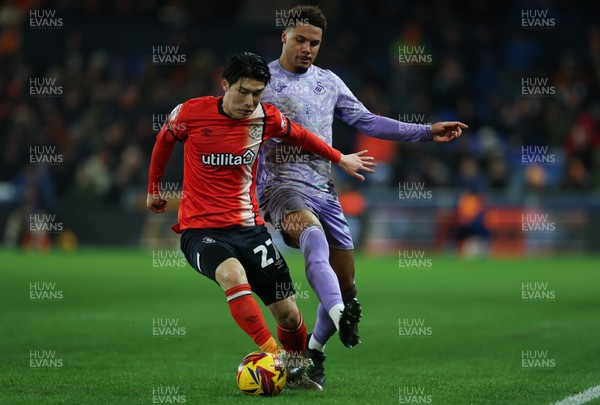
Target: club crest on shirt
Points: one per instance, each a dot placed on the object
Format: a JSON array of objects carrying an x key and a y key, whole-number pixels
[
  {"x": 255, "y": 131},
  {"x": 319, "y": 89}
]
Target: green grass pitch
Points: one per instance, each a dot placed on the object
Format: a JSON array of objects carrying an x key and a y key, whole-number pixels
[{"x": 92, "y": 332}]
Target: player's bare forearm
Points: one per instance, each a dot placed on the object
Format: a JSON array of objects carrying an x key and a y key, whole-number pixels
[{"x": 357, "y": 162}]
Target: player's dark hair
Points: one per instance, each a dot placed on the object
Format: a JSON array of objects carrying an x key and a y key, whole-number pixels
[
  {"x": 246, "y": 65},
  {"x": 311, "y": 15}
]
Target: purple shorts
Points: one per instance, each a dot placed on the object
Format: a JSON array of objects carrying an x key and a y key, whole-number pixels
[{"x": 282, "y": 201}]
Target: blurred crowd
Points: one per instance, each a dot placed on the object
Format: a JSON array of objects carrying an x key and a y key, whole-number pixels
[{"x": 110, "y": 95}]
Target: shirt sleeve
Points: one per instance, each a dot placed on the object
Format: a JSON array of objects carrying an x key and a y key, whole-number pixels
[
  {"x": 279, "y": 126},
  {"x": 175, "y": 129},
  {"x": 177, "y": 122},
  {"x": 347, "y": 107},
  {"x": 392, "y": 130}
]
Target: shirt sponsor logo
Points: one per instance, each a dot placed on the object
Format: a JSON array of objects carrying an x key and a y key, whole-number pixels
[{"x": 228, "y": 159}]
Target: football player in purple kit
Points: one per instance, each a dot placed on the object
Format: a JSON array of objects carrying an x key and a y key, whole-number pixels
[{"x": 295, "y": 188}]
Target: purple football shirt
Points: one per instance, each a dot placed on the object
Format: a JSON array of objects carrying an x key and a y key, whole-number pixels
[{"x": 310, "y": 99}]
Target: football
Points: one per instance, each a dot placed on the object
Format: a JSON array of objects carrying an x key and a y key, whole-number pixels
[{"x": 261, "y": 374}]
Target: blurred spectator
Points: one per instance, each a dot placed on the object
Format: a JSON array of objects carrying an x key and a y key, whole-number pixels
[
  {"x": 469, "y": 175},
  {"x": 112, "y": 91},
  {"x": 93, "y": 180},
  {"x": 354, "y": 206},
  {"x": 497, "y": 173},
  {"x": 536, "y": 178},
  {"x": 471, "y": 231}
]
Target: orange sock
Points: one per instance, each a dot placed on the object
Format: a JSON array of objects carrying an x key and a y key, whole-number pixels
[
  {"x": 293, "y": 340},
  {"x": 270, "y": 346},
  {"x": 247, "y": 314}
]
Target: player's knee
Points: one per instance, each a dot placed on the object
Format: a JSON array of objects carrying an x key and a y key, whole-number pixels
[
  {"x": 233, "y": 278},
  {"x": 229, "y": 277},
  {"x": 296, "y": 223},
  {"x": 349, "y": 292}
]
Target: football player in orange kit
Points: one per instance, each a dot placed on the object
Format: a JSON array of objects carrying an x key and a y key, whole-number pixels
[{"x": 223, "y": 236}]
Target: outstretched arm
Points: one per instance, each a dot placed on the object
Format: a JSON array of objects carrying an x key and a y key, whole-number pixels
[
  {"x": 351, "y": 164},
  {"x": 393, "y": 130},
  {"x": 161, "y": 153}
]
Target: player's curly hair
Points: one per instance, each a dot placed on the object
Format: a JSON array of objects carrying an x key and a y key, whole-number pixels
[
  {"x": 246, "y": 65},
  {"x": 307, "y": 15}
]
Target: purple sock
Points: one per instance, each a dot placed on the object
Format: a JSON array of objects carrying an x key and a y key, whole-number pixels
[
  {"x": 319, "y": 273},
  {"x": 324, "y": 327}
]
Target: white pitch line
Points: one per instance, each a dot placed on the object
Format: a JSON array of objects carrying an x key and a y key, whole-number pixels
[{"x": 582, "y": 397}]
